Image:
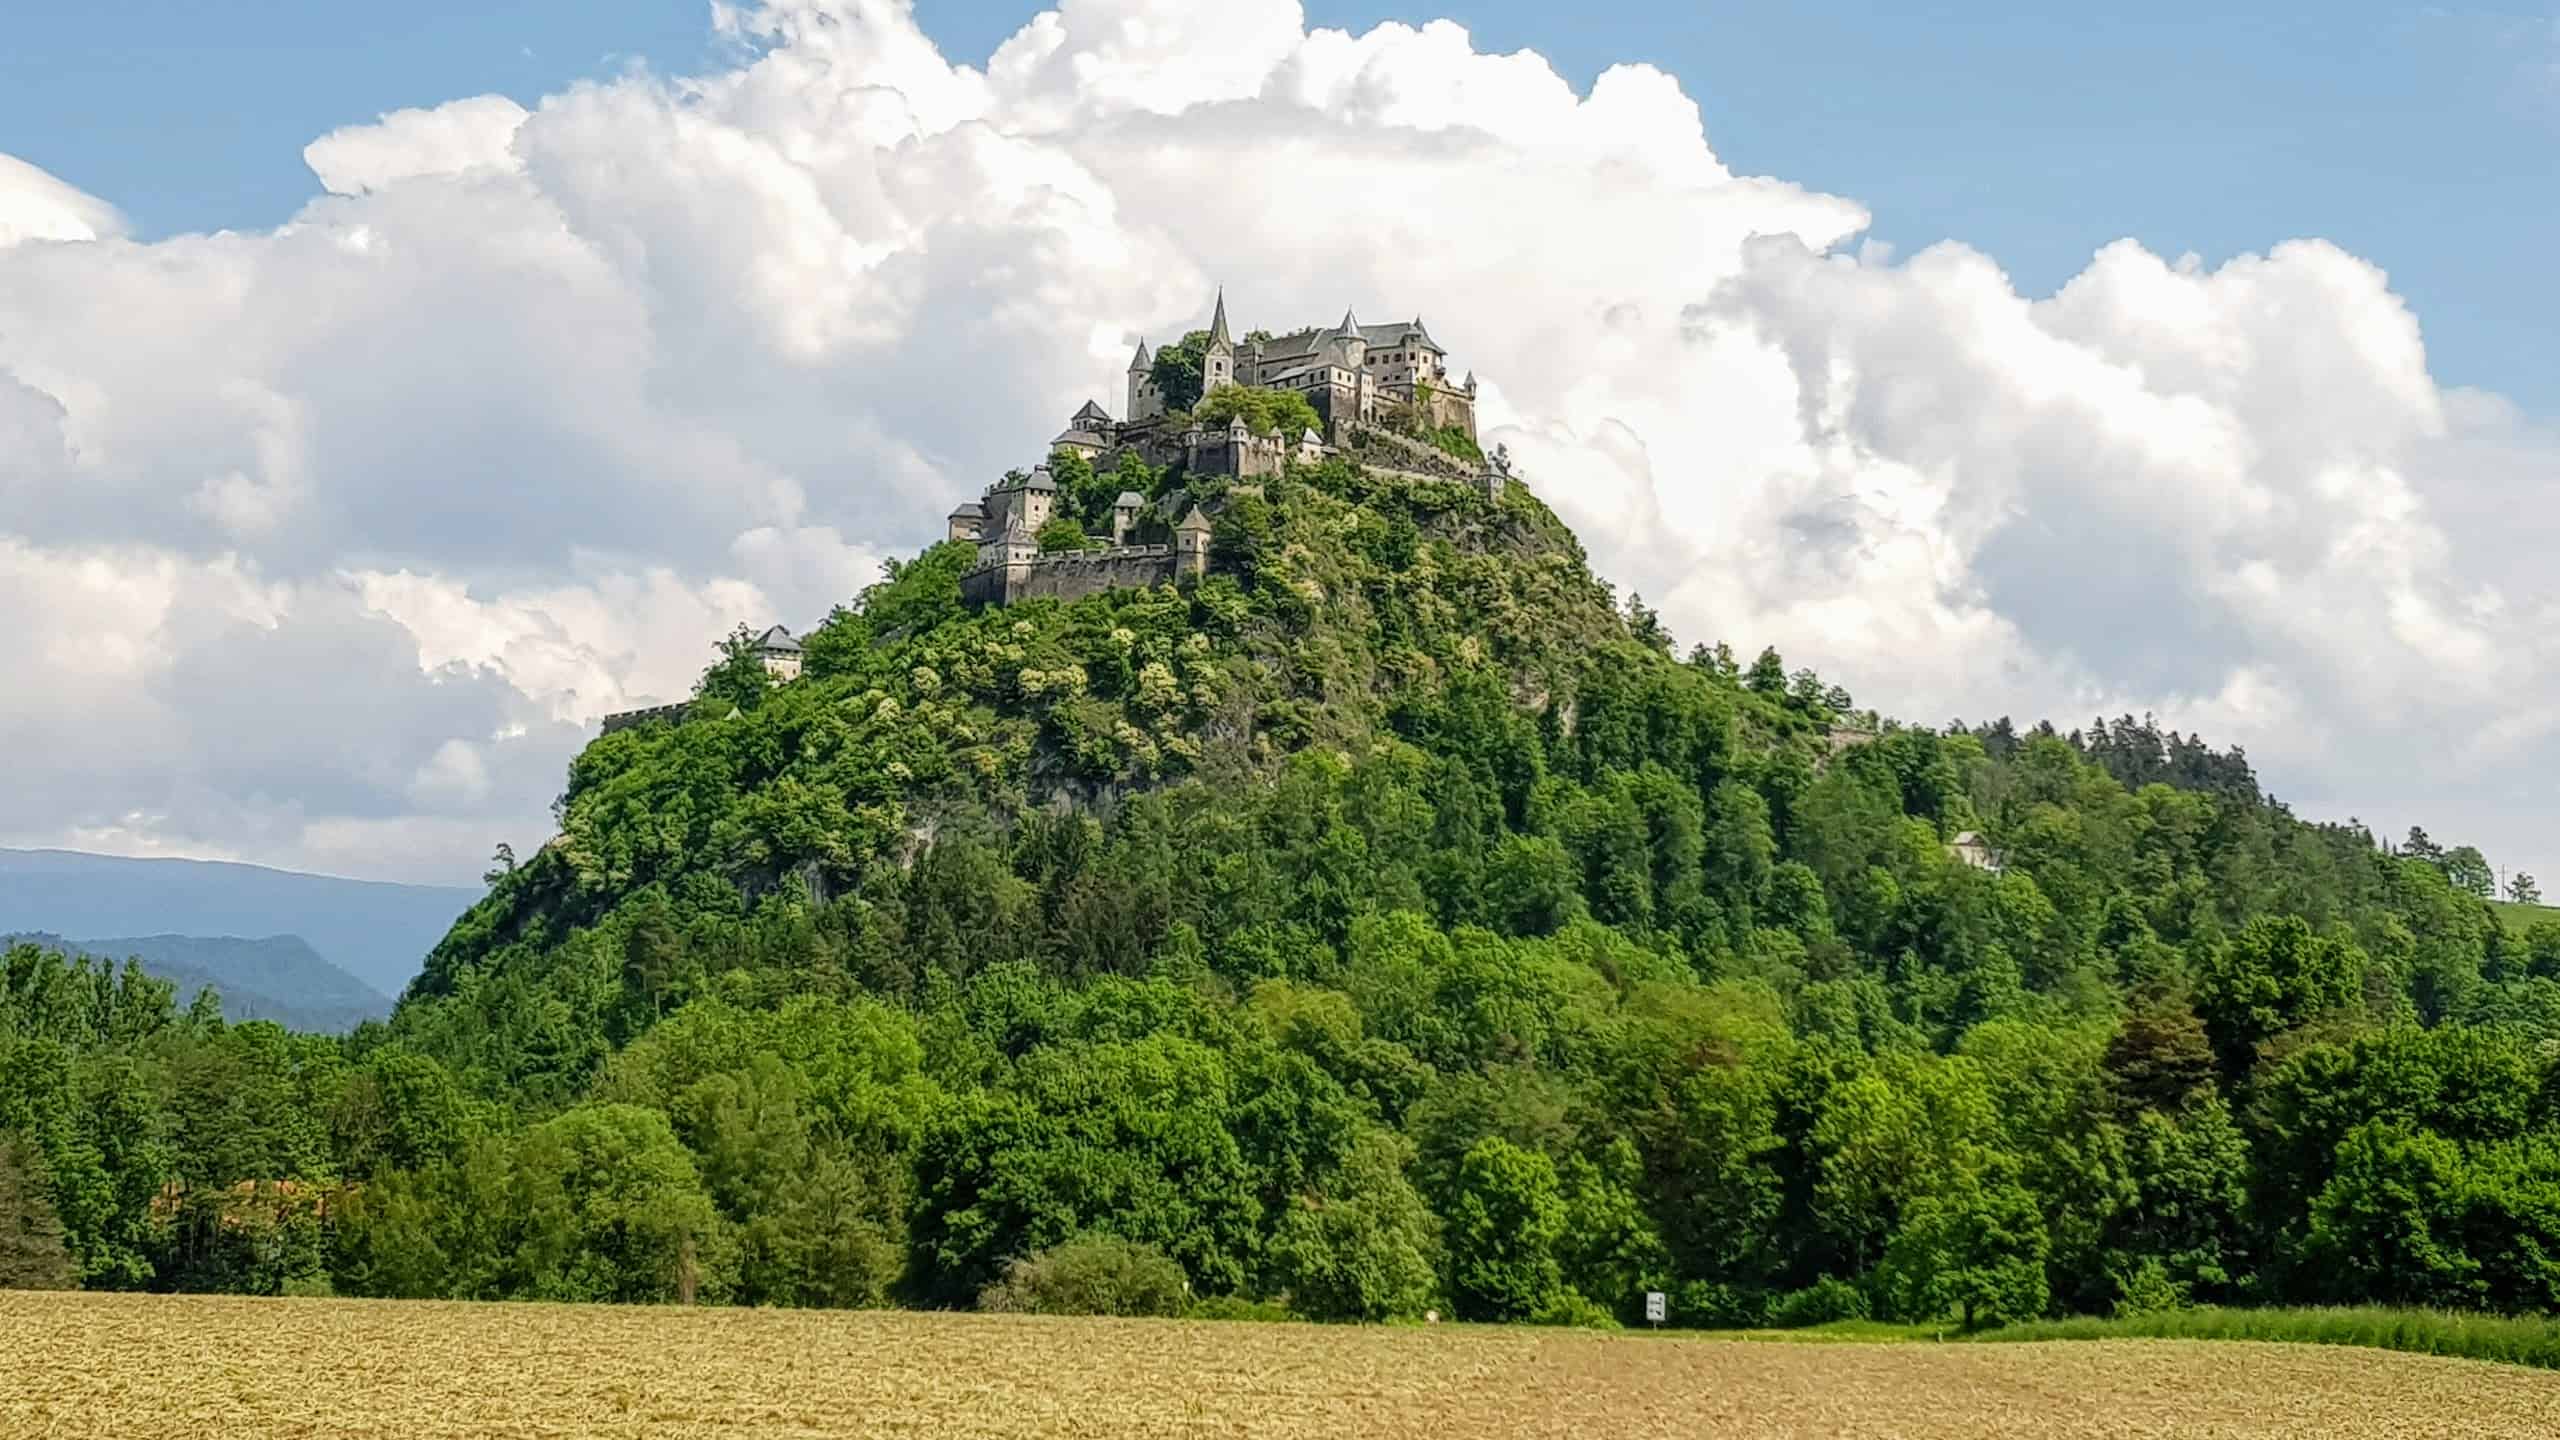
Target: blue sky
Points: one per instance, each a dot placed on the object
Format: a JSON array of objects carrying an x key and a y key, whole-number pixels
[{"x": 2425, "y": 139}]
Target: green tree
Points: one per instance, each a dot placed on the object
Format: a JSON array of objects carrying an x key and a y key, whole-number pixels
[
  {"x": 1064, "y": 534},
  {"x": 2469, "y": 871},
  {"x": 738, "y": 677},
  {"x": 2159, "y": 1058},
  {"x": 1506, "y": 1215},
  {"x": 2522, "y": 889},
  {"x": 2387, "y": 1226},
  {"x": 606, "y": 1204},
  {"x": 1240, "y": 536},
  {"x": 1284, "y": 413},
  {"x": 1362, "y": 1247},
  {"x": 2273, "y": 976},
  {"x": 1976, "y": 1248},
  {"x": 32, "y": 1256},
  {"x": 1176, "y": 370}
]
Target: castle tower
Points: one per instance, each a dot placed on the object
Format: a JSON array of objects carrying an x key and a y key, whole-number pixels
[
  {"x": 1010, "y": 554},
  {"x": 1143, "y": 402},
  {"x": 1191, "y": 546},
  {"x": 1124, "y": 515},
  {"x": 1218, "y": 359},
  {"x": 1039, "y": 499},
  {"x": 1348, "y": 346},
  {"x": 968, "y": 521},
  {"x": 780, "y": 654},
  {"x": 1494, "y": 479}
]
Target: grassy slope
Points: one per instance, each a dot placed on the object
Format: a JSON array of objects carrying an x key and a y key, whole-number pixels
[{"x": 2521, "y": 918}]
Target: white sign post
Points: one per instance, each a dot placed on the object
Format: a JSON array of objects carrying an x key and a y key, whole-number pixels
[{"x": 1655, "y": 1307}]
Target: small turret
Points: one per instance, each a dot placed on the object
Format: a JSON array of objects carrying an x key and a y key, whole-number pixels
[
  {"x": 968, "y": 520},
  {"x": 1495, "y": 477},
  {"x": 1124, "y": 515},
  {"x": 1014, "y": 545},
  {"x": 1191, "y": 546},
  {"x": 1349, "y": 348}
]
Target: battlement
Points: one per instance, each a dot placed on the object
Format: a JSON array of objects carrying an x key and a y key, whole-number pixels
[
  {"x": 624, "y": 720},
  {"x": 1106, "y": 556}
]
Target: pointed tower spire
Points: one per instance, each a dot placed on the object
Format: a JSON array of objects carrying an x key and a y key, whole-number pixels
[
  {"x": 1218, "y": 321},
  {"x": 1138, "y": 362},
  {"x": 1350, "y": 324}
]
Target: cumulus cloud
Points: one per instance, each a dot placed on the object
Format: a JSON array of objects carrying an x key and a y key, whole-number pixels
[
  {"x": 326, "y": 544},
  {"x": 450, "y": 139},
  {"x": 36, "y": 206}
]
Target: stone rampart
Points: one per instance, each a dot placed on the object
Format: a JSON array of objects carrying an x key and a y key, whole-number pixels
[
  {"x": 1068, "y": 575},
  {"x": 1403, "y": 452}
]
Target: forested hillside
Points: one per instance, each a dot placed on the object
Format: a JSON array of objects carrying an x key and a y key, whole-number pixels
[
  {"x": 1394, "y": 921},
  {"x": 275, "y": 977}
]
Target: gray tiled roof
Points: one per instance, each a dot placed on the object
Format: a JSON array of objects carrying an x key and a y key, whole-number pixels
[{"x": 1387, "y": 337}]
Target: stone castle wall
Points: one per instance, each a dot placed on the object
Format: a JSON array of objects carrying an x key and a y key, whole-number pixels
[
  {"x": 1069, "y": 576},
  {"x": 1405, "y": 453}
]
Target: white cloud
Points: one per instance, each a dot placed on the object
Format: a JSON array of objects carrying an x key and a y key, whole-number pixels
[
  {"x": 36, "y": 206},
  {"x": 450, "y": 139},
  {"x": 327, "y": 543}
]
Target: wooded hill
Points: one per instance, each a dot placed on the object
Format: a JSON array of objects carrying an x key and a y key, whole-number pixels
[{"x": 1394, "y": 921}]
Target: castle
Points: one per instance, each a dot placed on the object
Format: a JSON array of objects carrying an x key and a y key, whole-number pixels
[
  {"x": 1352, "y": 375},
  {"x": 1369, "y": 385},
  {"x": 1349, "y": 373},
  {"x": 1011, "y": 567}
]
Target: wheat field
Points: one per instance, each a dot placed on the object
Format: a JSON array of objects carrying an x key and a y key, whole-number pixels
[{"x": 146, "y": 1365}]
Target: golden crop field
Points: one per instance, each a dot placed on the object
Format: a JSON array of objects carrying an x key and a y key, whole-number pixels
[{"x": 140, "y": 1365}]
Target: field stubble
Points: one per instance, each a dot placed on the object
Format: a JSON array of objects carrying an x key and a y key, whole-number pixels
[{"x": 142, "y": 1365}]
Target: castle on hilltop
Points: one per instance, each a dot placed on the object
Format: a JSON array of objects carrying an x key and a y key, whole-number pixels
[
  {"x": 1353, "y": 376},
  {"x": 1349, "y": 373},
  {"x": 1383, "y": 401}
]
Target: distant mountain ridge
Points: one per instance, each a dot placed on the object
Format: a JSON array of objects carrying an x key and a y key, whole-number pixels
[
  {"x": 375, "y": 931},
  {"x": 274, "y": 977}
]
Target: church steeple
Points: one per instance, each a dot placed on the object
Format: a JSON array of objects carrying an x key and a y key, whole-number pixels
[
  {"x": 1218, "y": 357},
  {"x": 1218, "y": 322},
  {"x": 1138, "y": 362}
]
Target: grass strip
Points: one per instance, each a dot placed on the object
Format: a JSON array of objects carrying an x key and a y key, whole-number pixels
[{"x": 2513, "y": 1340}]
